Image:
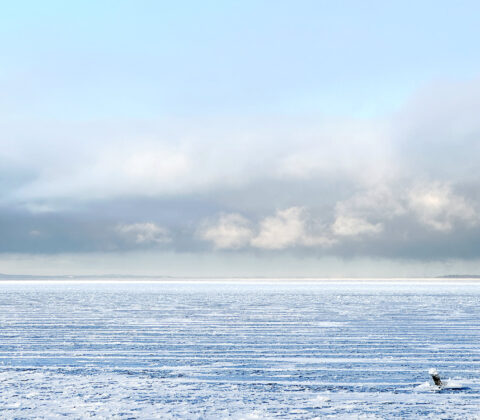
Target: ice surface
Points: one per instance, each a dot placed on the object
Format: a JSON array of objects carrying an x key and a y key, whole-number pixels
[{"x": 239, "y": 350}]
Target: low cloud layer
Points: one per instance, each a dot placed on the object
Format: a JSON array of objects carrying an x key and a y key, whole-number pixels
[
  {"x": 366, "y": 217},
  {"x": 401, "y": 186}
]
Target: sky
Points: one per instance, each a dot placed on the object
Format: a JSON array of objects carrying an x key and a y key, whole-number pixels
[{"x": 252, "y": 138}]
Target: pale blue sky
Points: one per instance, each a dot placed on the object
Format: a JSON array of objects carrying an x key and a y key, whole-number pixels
[
  {"x": 145, "y": 59},
  {"x": 339, "y": 137}
]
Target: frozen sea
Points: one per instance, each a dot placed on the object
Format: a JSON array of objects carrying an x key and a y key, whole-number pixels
[{"x": 239, "y": 350}]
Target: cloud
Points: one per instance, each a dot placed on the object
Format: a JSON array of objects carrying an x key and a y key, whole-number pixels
[
  {"x": 231, "y": 231},
  {"x": 289, "y": 228},
  {"x": 432, "y": 204},
  {"x": 183, "y": 156},
  {"x": 286, "y": 228},
  {"x": 388, "y": 212},
  {"x": 353, "y": 216},
  {"x": 402, "y": 185},
  {"x": 143, "y": 233},
  {"x": 354, "y": 226},
  {"x": 429, "y": 139},
  {"x": 439, "y": 208},
  {"x": 345, "y": 147},
  {"x": 140, "y": 170}
]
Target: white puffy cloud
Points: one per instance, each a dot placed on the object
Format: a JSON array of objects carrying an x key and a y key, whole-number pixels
[
  {"x": 432, "y": 204},
  {"x": 353, "y": 216},
  {"x": 143, "y": 233},
  {"x": 230, "y": 231},
  {"x": 353, "y": 226},
  {"x": 436, "y": 206},
  {"x": 285, "y": 229}
]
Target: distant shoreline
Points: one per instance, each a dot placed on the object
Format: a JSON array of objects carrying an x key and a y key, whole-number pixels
[{"x": 168, "y": 279}]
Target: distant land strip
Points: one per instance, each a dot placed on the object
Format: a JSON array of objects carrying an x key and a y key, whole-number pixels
[{"x": 126, "y": 277}]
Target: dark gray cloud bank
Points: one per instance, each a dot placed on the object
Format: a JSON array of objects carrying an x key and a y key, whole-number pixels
[{"x": 401, "y": 186}]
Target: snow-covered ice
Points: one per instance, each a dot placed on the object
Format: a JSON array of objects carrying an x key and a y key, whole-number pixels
[{"x": 199, "y": 350}]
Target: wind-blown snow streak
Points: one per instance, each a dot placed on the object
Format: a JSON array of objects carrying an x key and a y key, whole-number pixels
[{"x": 238, "y": 350}]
